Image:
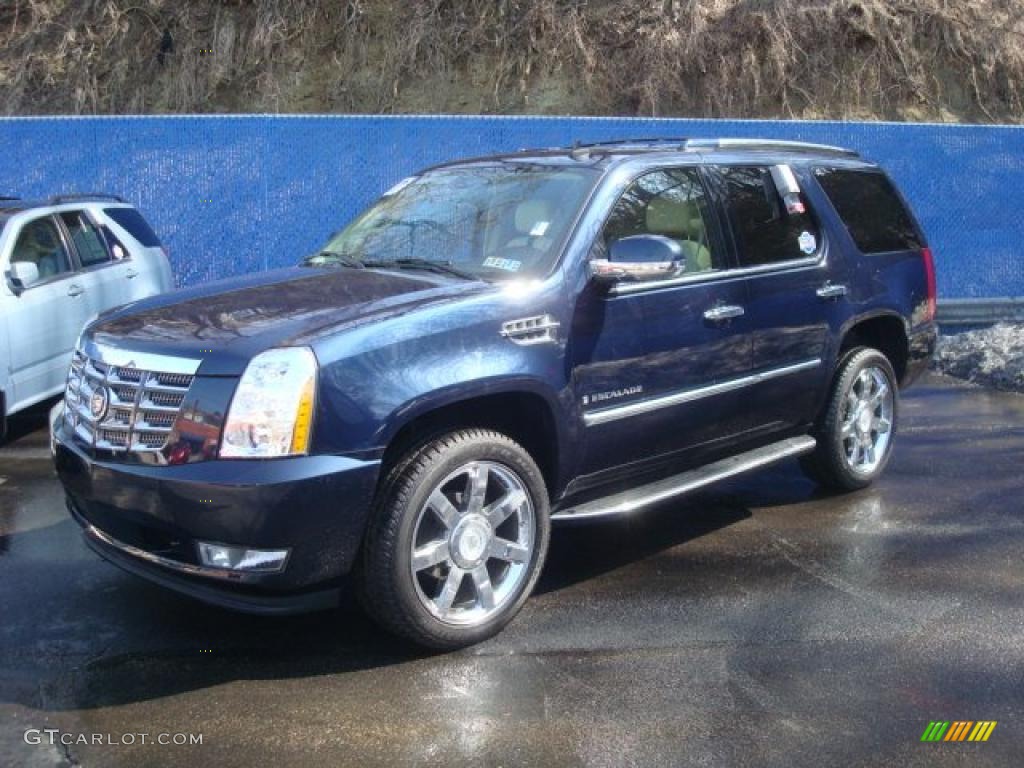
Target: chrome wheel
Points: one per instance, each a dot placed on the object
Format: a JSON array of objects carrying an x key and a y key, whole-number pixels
[
  {"x": 472, "y": 543},
  {"x": 867, "y": 420}
]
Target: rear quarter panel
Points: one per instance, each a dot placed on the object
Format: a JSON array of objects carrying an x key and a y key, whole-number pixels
[
  {"x": 882, "y": 284},
  {"x": 154, "y": 270}
]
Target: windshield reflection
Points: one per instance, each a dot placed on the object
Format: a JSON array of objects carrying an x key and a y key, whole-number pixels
[{"x": 494, "y": 221}]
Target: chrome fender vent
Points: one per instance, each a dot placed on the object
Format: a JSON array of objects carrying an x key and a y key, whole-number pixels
[{"x": 540, "y": 329}]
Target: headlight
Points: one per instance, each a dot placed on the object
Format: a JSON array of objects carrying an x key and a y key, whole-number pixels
[{"x": 272, "y": 410}]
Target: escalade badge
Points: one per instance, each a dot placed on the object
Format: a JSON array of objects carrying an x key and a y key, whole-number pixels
[
  {"x": 598, "y": 397},
  {"x": 98, "y": 403}
]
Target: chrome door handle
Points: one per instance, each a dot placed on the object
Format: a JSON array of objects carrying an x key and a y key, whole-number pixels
[
  {"x": 75, "y": 290},
  {"x": 131, "y": 273},
  {"x": 831, "y": 291},
  {"x": 723, "y": 312}
]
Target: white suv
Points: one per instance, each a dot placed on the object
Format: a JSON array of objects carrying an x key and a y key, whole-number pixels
[{"x": 64, "y": 261}]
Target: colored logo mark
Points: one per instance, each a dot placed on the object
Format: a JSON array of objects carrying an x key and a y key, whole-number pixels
[{"x": 958, "y": 730}]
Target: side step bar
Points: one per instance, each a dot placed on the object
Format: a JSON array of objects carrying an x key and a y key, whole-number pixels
[{"x": 629, "y": 501}]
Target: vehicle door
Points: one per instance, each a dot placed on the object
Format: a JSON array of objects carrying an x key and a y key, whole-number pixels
[
  {"x": 42, "y": 320},
  {"x": 100, "y": 274},
  {"x": 650, "y": 358},
  {"x": 795, "y": 293}
]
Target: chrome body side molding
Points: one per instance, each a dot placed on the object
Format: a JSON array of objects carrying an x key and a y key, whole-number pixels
[
  {"x": 624, "y": 288},
  {"x": 632, "y": 500},
  {"x": 604, "y": 415}
]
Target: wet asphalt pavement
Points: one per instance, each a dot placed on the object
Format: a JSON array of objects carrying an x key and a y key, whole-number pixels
[{"x": 760, "y": 623}]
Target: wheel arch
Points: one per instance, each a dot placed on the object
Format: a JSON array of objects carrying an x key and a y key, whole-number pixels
[
  {"x": 883, "y": 330},
  {"x": 524, "y": 411}
]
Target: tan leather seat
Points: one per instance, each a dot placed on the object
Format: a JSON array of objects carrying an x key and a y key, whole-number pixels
[
  {"x": 681, "y": 221},
  {"x": 532, "y": 221}
]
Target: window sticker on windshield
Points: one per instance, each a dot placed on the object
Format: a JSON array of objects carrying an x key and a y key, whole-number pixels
[
  {"x": 509, "y": 265},
  {"x": 399, "y": 186},
  {"x": 540, "y": 228},
  {"x": 808, "y": 243}
]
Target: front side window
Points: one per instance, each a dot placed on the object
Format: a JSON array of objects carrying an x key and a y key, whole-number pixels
[
  {"x": 671, "y": 203},
  {"x": 39, "y": 242},
  {"x": 872, "y": 211},
  {"x": 490, "y": 221},
  {"x": 765, "y": 231},
  {"x": 89, "y": 243}
]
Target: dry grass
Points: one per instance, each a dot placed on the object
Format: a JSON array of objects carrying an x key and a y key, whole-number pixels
[{"x": 902, "y": 59}]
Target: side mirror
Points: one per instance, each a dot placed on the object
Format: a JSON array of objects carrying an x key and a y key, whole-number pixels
[
  {"x": 21, "y": 275},
  {"x": 639, "y": 258}
]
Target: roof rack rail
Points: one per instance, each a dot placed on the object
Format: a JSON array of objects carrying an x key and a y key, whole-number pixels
[
  {"x": 640, "y": 140},
  {"x": 676, "y": 141},
  {"x": 71, "y": 197},
  {"x": 770, "y": 144}
]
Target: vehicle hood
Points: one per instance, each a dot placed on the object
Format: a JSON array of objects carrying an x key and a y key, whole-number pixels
[{"x": 226, "y": 323}]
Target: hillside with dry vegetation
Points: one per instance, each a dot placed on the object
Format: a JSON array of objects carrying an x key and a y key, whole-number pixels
[{"x": 868, "y": 59}]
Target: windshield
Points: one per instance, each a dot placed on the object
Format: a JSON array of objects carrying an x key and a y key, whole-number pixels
[{"x": 485, "y": 221}]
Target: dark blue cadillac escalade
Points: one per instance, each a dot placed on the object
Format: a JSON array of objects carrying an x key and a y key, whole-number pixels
[{"x": 496, "y": 344}]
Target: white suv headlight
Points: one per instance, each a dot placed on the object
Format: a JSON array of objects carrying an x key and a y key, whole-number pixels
[{"x": 272, "y": 410}]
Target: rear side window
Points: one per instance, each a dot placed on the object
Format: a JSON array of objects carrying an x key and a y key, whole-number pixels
[
  {"x": 765, "y": 231},
  {"x": 871, "y": 209},
  {"x": 89, "y": 243},
  {"x": 136, "y": 226}
]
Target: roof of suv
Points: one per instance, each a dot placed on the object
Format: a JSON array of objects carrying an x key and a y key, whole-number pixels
[
  {"x": 604, "y": 153},
  {"x": 10, "y": 205}
]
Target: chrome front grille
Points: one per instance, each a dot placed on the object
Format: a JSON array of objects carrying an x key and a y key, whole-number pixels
[{"x": 122, "y": 407}]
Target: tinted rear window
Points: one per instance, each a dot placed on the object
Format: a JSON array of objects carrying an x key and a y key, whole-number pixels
[
  {"x": 136, "y": 226},
  {"x": 766, "y": 232},
  {"x": 871, "y": 209}
]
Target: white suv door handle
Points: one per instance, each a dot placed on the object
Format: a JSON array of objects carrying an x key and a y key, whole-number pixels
[
  {"x": 831, "y": 291},
  {"x": 723, "y": 312},
  {"x": 131, "y": 273},
  {"x": 75, "y": 290}
]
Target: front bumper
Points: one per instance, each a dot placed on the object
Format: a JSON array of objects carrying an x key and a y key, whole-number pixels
[{"x": 148, "y": 520}]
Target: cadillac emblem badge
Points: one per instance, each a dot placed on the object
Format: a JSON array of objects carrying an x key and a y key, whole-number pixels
[{"x": 98, "y": 403}]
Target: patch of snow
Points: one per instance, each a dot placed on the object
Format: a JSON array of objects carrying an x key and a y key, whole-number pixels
[{"x": 992, "y": 357}]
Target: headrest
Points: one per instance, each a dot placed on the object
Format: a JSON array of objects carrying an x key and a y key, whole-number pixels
[
  {"x": 666, "y": 216},
  {"x": 533, "y": 213},
  {"x": 41, "y": 238}
]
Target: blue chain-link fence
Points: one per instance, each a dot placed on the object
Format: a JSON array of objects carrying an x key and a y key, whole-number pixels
[{"x": 235, "y": 194}]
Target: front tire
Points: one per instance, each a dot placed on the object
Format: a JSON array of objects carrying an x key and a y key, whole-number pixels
[
  {"x": 855, "y": 433},
  {"x": 457, "y": 539}
]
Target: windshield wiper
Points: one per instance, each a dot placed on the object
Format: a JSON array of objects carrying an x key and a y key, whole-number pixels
[
  {"x": 444, "y": 267},
  {"x": 332, "y": 257}
]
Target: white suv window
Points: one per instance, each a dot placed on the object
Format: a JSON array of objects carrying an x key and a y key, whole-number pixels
[
  {"x": 92, "y": 250},
  {"x": 40, "y": 243}
]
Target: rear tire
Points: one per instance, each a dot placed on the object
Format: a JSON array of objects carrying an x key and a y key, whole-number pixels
[
  {"x": 856, "y": 430},
  {"x": 456, "y": 541}
]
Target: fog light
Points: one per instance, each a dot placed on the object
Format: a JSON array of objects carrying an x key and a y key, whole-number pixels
[{"x": 242, "y": 558}]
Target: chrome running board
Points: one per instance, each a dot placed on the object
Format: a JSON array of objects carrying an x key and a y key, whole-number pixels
[{"x": 629, "y": 501}]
